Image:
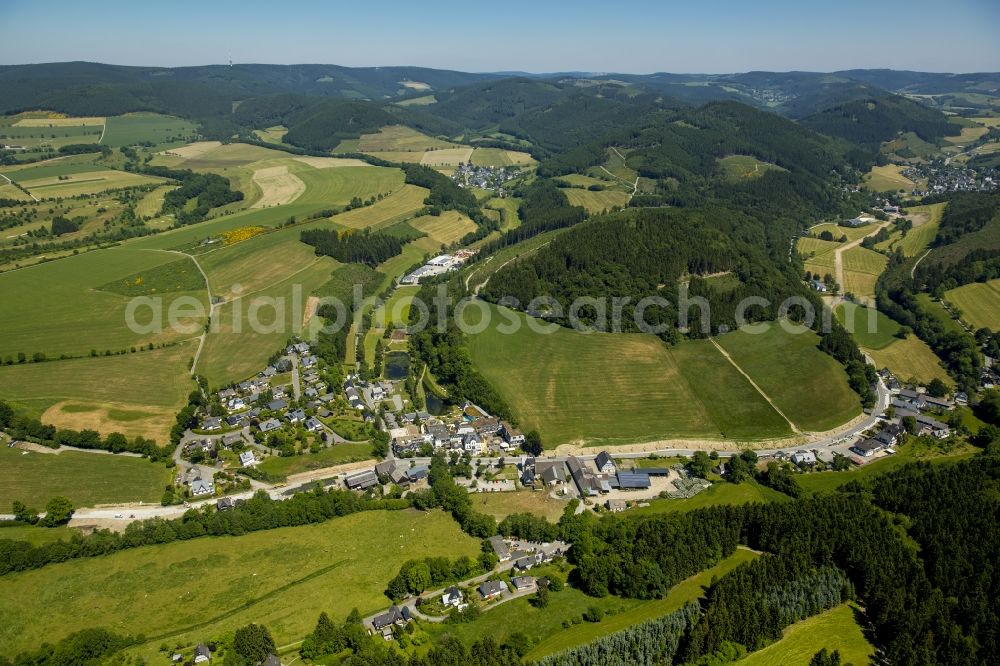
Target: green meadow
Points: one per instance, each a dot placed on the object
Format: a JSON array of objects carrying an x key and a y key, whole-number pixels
[
  {"x": 60, "y": 307},
  {"x": 136, "y": 128},
  {"x": 835, "y": 629},
  {"x": 604, "y": 389},
  {"x": 808, "y": 386},
  {"x": 181, "y": 592},
  {"x": 85, "y": 478}
]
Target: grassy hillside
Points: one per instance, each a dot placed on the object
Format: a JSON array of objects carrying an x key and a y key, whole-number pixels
[
  {"x": 184, "y": 591},
  {"x": 808, "y": 386},
  {"x": 621, "y": 388},
  {"x": 835, "y": 629},
  {"x": 979, "y": 303}
]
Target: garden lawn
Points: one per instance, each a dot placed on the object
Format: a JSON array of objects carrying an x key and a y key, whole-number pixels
[{"x": 284, "y": 466}]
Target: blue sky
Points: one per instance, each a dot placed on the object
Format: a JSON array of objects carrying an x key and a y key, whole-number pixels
[{"x": 637, "y": 36}]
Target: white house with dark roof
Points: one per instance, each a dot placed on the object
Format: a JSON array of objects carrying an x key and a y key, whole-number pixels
[
  {"x": 452, "y": 597},
  {"x": 604, "y": 463}
]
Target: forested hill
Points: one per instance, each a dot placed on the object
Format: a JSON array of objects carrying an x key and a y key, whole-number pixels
[
  {"x": 648, "y": 252},
  {"x": 967, "y": 246},
  {"x": 42, "y": 85},
  {"x": 683, "y": 148},
  {"x": 879, "y": 118}
]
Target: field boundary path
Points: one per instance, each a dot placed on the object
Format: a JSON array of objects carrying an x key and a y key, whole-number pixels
[
  {"x": 913, "y": 271},
  {"x": 37, "y": 200},
  {"x": 211, "y": 305},
  {"x": 729, "y": 358}
]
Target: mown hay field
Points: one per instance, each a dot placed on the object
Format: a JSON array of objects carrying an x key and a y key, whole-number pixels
[{"x": 979, "y": 303}]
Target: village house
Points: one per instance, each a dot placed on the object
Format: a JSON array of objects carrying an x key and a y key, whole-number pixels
[
  {"x": 889, "y": 435},
  {"x": 522, "y": 583},
  {"x": 803, "y": 458},
  {"x": 277, "y": 405},
  {"x": 492, "y": 589},
  {"x": 452, "y": 597},
  {"x": 296, "y": 416},
  {"x": 511, "y": 435},
  {"x": 586, "y": 481},
  {"x": 394, "y": 616},
  {"x": 201, "y": 487},
  {"x": 202, "y": 654},
  {"x": 867, "y": 448},
  {"x": 362, "y": 480},
  {"x": 616, "y": 505},
  {"x": 313, "y": 424},
  {"x": 551, "y": 472},
  {"x": 928, "y": 426},
  {"x": 224, "y": 504},
  {"x": 231, "y": 439},
  {"x": 269, "y": 425},
  {"x": 212, "y": 423},
  {"x": 604, "y": 463},
  {"x": 247, "y": 459},
  {"x": 500, "y": 548}
]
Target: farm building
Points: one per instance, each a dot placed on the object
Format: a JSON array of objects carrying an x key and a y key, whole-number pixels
[
  {"x": 633, "y": 481},
  {"x": 362, "y": 480}
]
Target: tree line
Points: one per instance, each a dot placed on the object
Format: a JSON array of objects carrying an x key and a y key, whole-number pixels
[
  {"x": 209, "y": 191},
  {"x": 258, "y": 513}
]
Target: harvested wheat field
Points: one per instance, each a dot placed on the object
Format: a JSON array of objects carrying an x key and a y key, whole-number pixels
[
  {"x": 329, "y": 162},
  {"x": 192, "y": 150},
  {"x": 446, "y": 156},
  {"x": 277, "y": 186}
]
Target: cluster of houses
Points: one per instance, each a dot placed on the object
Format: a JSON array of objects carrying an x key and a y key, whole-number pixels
[
  {"x": 952, "y": 177},
  {"x": 242, "y": 400},
  {"x": 591, "y": 479},
  {"x": 475, "y": 433},
  {"x": 908, "y": 403},
  {"x": 365, "y": 396},
  {"x": 484, "y": 177},
  {"x": 439, "y": 265}
]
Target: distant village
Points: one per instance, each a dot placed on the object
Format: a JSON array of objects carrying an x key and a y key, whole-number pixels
[
  {"x": 490, "y": 178},
  {"x": 952, "y": 177}
]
